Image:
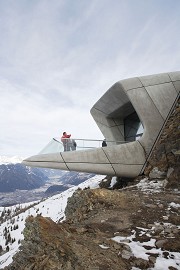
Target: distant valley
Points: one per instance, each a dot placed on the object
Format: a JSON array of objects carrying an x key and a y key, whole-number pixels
[{"x": 20, "y": 184}]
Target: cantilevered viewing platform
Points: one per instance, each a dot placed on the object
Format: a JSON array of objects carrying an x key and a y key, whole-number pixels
[{"x": 129, "y": 103}]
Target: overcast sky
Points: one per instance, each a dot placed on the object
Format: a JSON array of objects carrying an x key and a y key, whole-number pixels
[{"x": 58, "y": 57}]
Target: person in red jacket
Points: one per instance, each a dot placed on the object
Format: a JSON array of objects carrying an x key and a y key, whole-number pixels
[{"x": 65, "y": 139}]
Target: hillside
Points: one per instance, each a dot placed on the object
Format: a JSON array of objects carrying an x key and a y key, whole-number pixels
[
  {"x": 12, "y": 219},
  {"x": 104, "y": 229}
]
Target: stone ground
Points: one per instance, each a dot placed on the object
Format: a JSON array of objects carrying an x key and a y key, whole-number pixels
[{"x": 94, "y": 217}]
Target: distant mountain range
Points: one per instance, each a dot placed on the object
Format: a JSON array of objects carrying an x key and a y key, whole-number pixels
[
  {"x": 10, "y": 160},
  {"x": 16, "y": 176}
]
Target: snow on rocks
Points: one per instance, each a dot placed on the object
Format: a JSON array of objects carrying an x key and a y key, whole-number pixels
[
  {"x": 156, "y": 174},
  {"x": 150, "y": 253},
  {"x": 155, "y": 185}
]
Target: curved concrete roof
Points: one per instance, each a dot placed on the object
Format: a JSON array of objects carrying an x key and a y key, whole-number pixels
[{"x": 150, "y": 98}]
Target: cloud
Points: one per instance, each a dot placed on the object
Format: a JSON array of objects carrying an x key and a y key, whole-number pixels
[{"x": 57, "y": 58}]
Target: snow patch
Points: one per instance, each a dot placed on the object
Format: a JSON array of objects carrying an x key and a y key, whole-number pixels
[
  {"x": 113, "y": 181},
  {"x": 10, "y": 160},
  {"x": 153, "y": 185},
  {"x": 103, "y": 247}
]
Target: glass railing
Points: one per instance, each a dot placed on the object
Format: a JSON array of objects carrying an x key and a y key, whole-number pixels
[{"x": 55, "y": 145}]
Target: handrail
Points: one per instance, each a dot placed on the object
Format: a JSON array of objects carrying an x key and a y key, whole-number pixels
[
  {"x": 56, "y": 145},
  {"x": 90, "y": 140}
]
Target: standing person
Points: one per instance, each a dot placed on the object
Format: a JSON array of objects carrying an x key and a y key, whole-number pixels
[
  {"x": 65, "y": 139},
  {"x": 104, "y": 144},
  {"x": 73, "y": 145}
]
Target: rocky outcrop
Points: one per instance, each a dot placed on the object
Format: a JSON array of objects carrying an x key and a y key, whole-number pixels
[
  {"x": 88, "y": 204},
  {"x": 166, "y": 157},
  {"x": 94, "y": 218},
  {"x": 48, "y": 245}
]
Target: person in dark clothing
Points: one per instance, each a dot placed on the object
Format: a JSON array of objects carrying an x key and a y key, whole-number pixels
[
  {"x": 73, "y": 145},
  {"x": 104, "y": 143}
]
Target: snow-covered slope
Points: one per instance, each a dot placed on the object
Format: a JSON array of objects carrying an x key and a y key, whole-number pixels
[{"x": 52, "y": 207}]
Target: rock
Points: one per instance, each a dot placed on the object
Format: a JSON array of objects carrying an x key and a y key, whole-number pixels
[
  {"x": 147, "y": 247},
  {"x": 152, "y": 259},
  {"x": 175, "y": 230},
  {"x": 172, "y": 268},
  {"x": 122, "y": 182},
  {"x": 106, "y": 182},
  {"x": 141, "y": 263},
  {"x": 174, "y": 219},
  {"x": 142, "y": 238},
  {"x": 161, "y": 243},
  {"x": 151, "y": 205},
  {"x": 158, "y": 229},
  {"x": 161, "y": 205},
  {"x": 157, "y": 174},
  {"x": 150, "y": 226},
  {"x": 167, "y": 230},
  {"x": 173, "y": 180},
  {"x": 166, "y": 254},
  {"x": 126, "y": 254},
  {"x": 165, "y": 183},
  {"x": 171, "y": 235},
  {"x": 172, "y": 244},
  {"x": 165, "y": 217},
  {"x": 170, "y": 170},
  {"x": 126, "y": 247}
]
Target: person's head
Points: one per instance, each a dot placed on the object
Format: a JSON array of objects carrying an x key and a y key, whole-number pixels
[{"x": 64, "y": 133}]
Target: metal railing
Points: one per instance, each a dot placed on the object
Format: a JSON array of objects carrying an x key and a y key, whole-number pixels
[
  {"x": 55, "y": 145},
  {"x": 72, "y": 144}
]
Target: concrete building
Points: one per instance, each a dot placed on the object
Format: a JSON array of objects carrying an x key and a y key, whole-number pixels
[{"x": 145, "y": 100}]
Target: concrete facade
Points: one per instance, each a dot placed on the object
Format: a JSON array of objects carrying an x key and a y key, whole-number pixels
[{"x": 148, "y": 99}]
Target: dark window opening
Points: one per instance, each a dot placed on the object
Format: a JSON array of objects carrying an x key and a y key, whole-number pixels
[{"x": 132, "y": 127}]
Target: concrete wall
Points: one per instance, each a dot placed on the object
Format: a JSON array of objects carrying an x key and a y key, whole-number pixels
[{"x": 151, "y": 97}]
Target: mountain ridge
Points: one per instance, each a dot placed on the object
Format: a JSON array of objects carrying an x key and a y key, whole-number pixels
[
  {"x": 18, "y": 176},
  {"x": 10, "y": 159}
]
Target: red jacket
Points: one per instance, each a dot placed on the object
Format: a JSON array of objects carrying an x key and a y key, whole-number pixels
[{"x": 64, "y": 137}]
